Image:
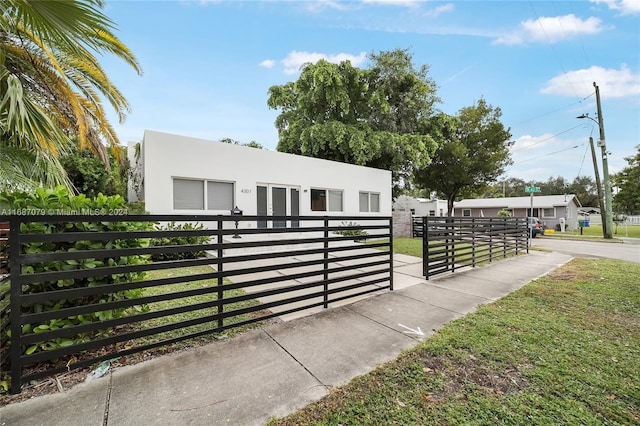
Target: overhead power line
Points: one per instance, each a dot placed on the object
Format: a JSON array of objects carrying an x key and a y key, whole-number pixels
[
  {"x": 554, "y": 50},
  {"x": 546, "y": 155},
  {"x": 548, "y": 138}
]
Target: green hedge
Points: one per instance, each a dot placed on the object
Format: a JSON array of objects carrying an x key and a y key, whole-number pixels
[
  {"x": 60, "y": 201},
  {"x": 174, "y": 241}
]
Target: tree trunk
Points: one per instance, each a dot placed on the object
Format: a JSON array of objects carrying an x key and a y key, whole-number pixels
[{"x": 450, "y": 205}]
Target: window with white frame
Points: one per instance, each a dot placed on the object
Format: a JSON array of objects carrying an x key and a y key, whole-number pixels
[
  {"x": 466, "y": 212},
  {"x": 432, "y": 212},
  {"x": 323, "y": 200},
  {"x": 195, "y": 194},
  {"x": 549, "y": 212},
  {"x": 369, "y": 202}
]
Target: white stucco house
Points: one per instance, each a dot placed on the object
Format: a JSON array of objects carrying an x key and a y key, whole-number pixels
[
  {"x": 550, "y": 209},
  {"x": 176, "y": 174},
  {"x": 420, "y": 206}
]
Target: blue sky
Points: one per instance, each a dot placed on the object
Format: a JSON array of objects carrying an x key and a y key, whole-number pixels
[{"x": 208, "y": 66}]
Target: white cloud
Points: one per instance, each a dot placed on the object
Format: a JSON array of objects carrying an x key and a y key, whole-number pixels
[
  {"x": 525, "y": 144},
  {"x": 405, "y": 3},
  {"x": 295, "y": 59},
  {"x": 551, "y": 29},
  {"x": 320, "y": 5},
  {"x": 625, "y": 7},
  {"x": 267, "y": 63},
  {"x": 537, "y": 157},
  {"x": 439, "y": 10},
  {"x": 613, "y": 83}
]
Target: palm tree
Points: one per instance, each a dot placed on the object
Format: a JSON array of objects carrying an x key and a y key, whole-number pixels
[{"x": 52, "y": 87}]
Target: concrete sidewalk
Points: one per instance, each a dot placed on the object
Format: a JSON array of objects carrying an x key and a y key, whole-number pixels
[{"x": 278, "y": 369}]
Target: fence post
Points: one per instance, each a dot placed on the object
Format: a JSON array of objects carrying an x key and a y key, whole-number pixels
[
  {"x": 16, "y": 304},
  {"x": 473, "y": 242},
  {"x": 504, "y": 237},
  {"x": 326, "y": 263},
  {"x": 425, "y": 249},
  {"x": 448, "y": 228},
  {"x": 391, "y": 254},
  {"x": 453, "y": 247},
  {"x": 526, "y": 226},
  {"x": 220, "y": 266},
  {"x": 490, "y": 239}
]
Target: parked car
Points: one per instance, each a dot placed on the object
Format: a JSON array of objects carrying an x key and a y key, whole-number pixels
[{"x": 535, "y": 227}]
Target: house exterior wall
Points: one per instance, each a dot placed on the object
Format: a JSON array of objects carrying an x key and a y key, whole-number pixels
[
  {"x": 167, "y": 156},
  {"x": 569, "y": 213},
  {"x": 477, "y": 212},
  {"x": 420, "y": 206}
]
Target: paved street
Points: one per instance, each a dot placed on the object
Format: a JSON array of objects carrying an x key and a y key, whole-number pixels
[{"x": 611, "y": 250}]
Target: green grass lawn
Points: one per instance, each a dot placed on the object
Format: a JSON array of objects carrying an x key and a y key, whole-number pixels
[
  {"x": 172, "y": 303},
  {"x": 409, "y": 246},
  {"x": 413, "y": 247},
  {"x": 632, "y": 231},
  {"x": 564, "y": 349}
]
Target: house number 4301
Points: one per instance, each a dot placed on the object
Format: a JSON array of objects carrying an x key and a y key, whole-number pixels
[{"x": 245, "y": 191}]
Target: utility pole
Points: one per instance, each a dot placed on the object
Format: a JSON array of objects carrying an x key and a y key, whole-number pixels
[
  {"x": 599, "y": 187},
  {"x": 608, "y": 228}
]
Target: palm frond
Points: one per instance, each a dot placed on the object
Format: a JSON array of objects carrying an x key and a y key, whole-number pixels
[
  {"x": 52, "y": 85},
  {"x": 25, "y": 170}
]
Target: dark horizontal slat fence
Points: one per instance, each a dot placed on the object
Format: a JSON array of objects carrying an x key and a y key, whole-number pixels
[
  {"x": 255, "y": 274},
  {"x": 4, "y": 291},
  {"x": 450, "y": 243}
]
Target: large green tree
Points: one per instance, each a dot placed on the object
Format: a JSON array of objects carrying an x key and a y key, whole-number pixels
[
  {"x": 553, "y": 186},
  {"x": 583, "y": 187},
  {"x": 507, "y": 187},
  {"x": 252, "y": 144},
  {"x": 627, "y": 199},
  {"x": 89, "y": 175},
  {"x": 374, "y": 117},
  {"x": 52, "y": 86},
  {"x": 473, "y": 154}
]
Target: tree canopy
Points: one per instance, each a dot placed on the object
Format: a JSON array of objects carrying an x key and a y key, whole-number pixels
[
  {"x": 252, "y": 144},
  {"x": 374, "y": 117},
  {"x": 583, "y": 187},
  {"x": 52, "y": 86},
  {"x": 89, "y": 175},
  {"x": 474, "y": 153},
  {"x": 627, "y": 199}
]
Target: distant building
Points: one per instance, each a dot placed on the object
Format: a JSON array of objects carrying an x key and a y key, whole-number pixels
[
  {"x": 550, "y": 209},
  {"x": 420, "y": 206}
]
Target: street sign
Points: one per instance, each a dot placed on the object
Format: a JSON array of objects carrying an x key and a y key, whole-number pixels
[{"x": 532, "y": 189}]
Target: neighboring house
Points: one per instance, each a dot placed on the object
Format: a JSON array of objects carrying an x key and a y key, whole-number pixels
[
  {"x": 550, "y": 209},
  {"x": 184, "y": 175},
  {"x": 420, "y": 206}
]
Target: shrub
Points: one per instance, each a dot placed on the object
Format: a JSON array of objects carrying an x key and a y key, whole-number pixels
[
  {"x": 352, "y": 232},
  {"x": 60, "y": 201},
  {"x": 136, "y": 207},
  {"x": 178, "y": 241}
]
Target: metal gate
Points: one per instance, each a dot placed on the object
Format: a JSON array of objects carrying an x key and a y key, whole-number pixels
[{"x": 450, "y": 243}]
